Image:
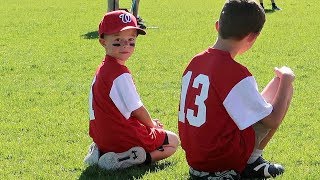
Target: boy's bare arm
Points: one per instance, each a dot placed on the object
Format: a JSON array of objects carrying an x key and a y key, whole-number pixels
[
  {"x": 282, "y": 98},
  {"x": 143, "y": 116}
]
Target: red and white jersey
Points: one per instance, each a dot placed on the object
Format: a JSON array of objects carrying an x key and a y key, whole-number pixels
[
  {"x": 112, "y": 99},
  {"x": 219, "y": 103}
]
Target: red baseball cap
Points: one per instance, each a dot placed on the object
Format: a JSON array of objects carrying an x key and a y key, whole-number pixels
[{"x": 116, "y": 21}]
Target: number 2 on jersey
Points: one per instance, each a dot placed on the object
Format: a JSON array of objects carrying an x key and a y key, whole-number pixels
[{"x": 200, "y": 119}]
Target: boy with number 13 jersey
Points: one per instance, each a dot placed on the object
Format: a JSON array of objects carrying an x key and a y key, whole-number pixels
[
  {"x": 224, "y": 121},
  {"x": 212, "y": 81}
]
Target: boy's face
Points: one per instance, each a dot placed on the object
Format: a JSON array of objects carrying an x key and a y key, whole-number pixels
[{"x": 120, "y": 45}]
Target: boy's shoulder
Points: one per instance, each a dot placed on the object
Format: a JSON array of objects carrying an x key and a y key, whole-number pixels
[
  {"x": 213, "y": 55},
  {"x": 111, "y": 69},
  {"x": 218, "y": 64}
]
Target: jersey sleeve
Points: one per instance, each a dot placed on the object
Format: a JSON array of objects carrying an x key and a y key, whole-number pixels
[
  {"x": 245, "y": 104},
  {"x": 124, "y": 95}
]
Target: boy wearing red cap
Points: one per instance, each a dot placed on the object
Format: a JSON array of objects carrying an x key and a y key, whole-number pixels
[
  {"x": 224, "y": 121},
  {"x": 122, "y": 130}
]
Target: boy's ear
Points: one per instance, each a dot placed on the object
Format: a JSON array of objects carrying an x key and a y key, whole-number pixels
[
  {"x": 217, "y": 25},
  {"x": 252, "y": 37},
  {"x": 102, "y": 42}
]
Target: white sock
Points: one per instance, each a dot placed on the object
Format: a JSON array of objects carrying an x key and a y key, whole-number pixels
[{"x": 255, "y": 155}]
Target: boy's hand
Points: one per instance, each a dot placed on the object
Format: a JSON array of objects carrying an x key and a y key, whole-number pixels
[
  {"x": 157, "y": 123},
  {"x": 284, "y": 73}
]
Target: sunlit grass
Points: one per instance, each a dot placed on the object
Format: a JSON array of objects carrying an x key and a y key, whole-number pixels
[{"x": 49, "y": 52}]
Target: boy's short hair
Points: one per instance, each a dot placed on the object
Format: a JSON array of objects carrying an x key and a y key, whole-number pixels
[
  {"x": 238, "y": 18},
  {"x": 116, "y": 21}
]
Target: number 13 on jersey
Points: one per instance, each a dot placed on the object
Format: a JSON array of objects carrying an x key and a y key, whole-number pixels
[{"x": 200, "y": 117}]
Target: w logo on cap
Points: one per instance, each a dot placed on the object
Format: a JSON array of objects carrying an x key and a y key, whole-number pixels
[{"x": 125, "y": 18}]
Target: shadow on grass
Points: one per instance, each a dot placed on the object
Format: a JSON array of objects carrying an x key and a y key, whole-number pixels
[
  {"x": 91, "y": 35},
  {"x": 269, "y": 11},
  {"x": 94, "y": 172}
]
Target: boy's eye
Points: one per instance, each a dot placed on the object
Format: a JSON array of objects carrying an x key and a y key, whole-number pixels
[
  {"x": 116, "y": 42},
  {"x": 124, "y": 41}
]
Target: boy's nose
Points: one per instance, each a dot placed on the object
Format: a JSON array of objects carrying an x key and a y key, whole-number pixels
[
  {"x": 124, "y": 43},
  {"x": 127, "y": 43}
]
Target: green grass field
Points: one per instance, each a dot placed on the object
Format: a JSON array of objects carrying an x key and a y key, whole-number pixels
[{"x": 49, "y": 52}]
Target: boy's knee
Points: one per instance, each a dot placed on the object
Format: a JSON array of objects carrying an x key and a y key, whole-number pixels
[
  {"x": 173, "y": 139},
  {"x": 276, "y": 81}
]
